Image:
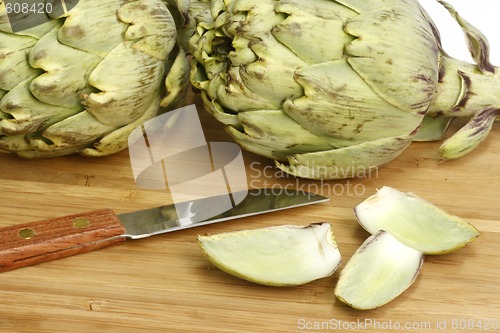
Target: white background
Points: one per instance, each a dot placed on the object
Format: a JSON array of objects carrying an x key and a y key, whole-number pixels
[{"x": 483, "y": 14}]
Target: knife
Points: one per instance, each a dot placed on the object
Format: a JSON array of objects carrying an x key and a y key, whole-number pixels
[{"x": 40, "y": 241}]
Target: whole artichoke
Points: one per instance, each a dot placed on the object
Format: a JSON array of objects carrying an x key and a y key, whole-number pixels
[
  {"x": 333, "y": 88},
  {"x": 82, "y": 81}
]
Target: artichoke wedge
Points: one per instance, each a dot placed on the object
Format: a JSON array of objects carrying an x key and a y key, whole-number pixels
[
  {"x": 414, "y": 222},
  {"x": 378, "y": 272},
  {"x": 275, "y": 256}
]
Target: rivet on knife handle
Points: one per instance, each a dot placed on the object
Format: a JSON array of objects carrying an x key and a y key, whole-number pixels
[{"x": 41, "y": 241}]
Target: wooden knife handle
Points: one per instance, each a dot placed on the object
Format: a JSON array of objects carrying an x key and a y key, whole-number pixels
[{"x": 36, "y": 242}]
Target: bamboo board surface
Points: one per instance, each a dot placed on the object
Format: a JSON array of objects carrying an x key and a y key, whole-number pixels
[{"x": 164, "y": 284}]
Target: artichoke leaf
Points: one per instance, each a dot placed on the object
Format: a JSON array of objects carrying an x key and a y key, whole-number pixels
[
  {"x": 14, "y": 68},
  {"x": 117, "y": 140},
  {"x": 471, "y": 135},
  {"x": 338, "y": 103},
  {"x": 258, "y": 16},
  {"x": 236, "y": 94},
  {"x": 303, "y": 25},
  {"x": 354, "y": 161},
  {"x": 152, "y": 27},
  {"x": 217, "y": 111},
  {"x": 127, "y": 78},
  {"x": 256, "y": 147},
  {"x": 65, "y": 79},
  {"x": 27, "y": 114},
  {"x": 260, "y": 126},
  {"x": 176, "y": 81},
  {"x": 405, "y": 76},
  {"x": 478, "y": 44},
  {"x": 272, "y": 75},
  {"x": 78, "y": 33},
  {"x": 243, "y": 53},
  {"x": 71, "y": 133}
]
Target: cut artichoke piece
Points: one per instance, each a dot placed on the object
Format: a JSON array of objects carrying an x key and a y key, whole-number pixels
[
  {"x": 471, "y": 135},
  {"x": 414, "y": 222},
  {"x": 275, "y": 256},
  {"x": 378, "y": 272}
]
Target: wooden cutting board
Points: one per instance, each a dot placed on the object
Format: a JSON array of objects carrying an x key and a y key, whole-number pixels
[{"x": 164, "y": 284}]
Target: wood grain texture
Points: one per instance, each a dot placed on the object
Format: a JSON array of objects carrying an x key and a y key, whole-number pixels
[
  {"x": 164, "y": 283},
  {"x": 41, "y": 241}
]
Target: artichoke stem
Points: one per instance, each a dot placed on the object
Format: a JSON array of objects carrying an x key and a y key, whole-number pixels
[{"x": 463, "y": 90}]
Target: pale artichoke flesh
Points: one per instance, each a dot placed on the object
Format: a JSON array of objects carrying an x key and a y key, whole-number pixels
[
  {"x": 380, "y": 270},
  {"x": 414, "y": 221},
  {"x": 275, "y": 256}
]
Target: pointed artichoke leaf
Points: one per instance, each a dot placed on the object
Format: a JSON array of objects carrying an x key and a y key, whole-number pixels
[
  {"x": 14, "y": 68},
  {"x": 152, "y": 27},
  {"x": 254, "y": 146},
  {"x": 260, "y": 126},
  {"x": 255, "y": 132},
  {"x": 414, "y": 221},
  {"x": 378, "y": 272},
  {"x": 117, "y": 140},
  {"x": 236, "y": 95},
  {"x": 303, "y": 25},
  {"x": 272, "y": 75},
  {"x": 72, "y": 133},
  {"x": 176, "y": 81},
  {"x": 78, "y": 33},
  {"x": 242, "y": 53},
  {"x": 432, "y": 128},
  {"x": 248, "y": 18},
  {"x": 471, "y": 135},
  {"x": 337, "y": 102},
  {"x": 403, "y": 71},
  {"x": 64, "y": 80},
  {"x": 26, "y": 113},
  {"x": 477, "y": 42},
  {"x": 32, "y": 153},
  {"x": 354, "y": 161},
  {"x": 275, "y": 256},
  {"x": 127, "y": 79},
  {"x": 217, "y": 111}
]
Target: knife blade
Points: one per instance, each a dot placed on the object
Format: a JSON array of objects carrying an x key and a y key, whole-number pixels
[{"x": 40, "y": 241}]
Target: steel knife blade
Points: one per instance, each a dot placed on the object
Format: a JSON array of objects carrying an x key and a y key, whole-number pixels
[{"x": 40, "y": 241}]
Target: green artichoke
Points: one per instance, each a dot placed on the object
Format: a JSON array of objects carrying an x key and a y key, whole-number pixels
[
  {"x": 82, "y": 81},
  {"x": 334, "y": 88}
]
